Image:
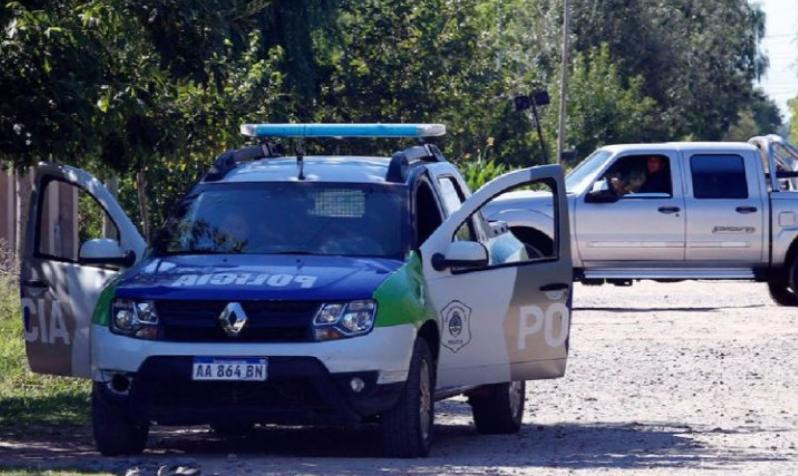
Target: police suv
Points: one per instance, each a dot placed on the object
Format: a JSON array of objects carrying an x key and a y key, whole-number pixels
[{"x": 298, "y": 290}]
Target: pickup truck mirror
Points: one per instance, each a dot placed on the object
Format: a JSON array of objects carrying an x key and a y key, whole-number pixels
[
  {"x": 461, "y": 254},
  {"x": 601, "y": 192},
  {"x": 105, "y": 251}
]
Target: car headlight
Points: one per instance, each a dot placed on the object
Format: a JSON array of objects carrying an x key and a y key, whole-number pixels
[
  {"x": 337, "y": 320},
  {"x": 134, "y": 318}
]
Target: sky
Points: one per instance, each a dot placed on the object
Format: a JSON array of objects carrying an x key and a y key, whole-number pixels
[{"x": 780, "y": 44}]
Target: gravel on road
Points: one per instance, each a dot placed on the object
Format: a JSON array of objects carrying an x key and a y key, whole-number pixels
[{"x": 679, "y": 378}]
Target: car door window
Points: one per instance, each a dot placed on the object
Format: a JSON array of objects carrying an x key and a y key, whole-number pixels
[
  {"x": 453, "y": 198},
  {"x": 640, "y": 176},
  {"x": 427, "y": 213},
  {"x": 718, "y": 177},
  {"x": 68, "y": 217},
  {"x": 519, "y": 244}
]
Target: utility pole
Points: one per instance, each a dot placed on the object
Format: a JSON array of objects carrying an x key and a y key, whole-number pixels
[{"x": 566, "y": 27}]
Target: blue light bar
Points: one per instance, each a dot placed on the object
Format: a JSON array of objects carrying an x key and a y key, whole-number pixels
[{"x": 343, "y": 130}]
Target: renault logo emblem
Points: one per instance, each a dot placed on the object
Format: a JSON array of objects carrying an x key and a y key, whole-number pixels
[{"x": 233, "y": 319}]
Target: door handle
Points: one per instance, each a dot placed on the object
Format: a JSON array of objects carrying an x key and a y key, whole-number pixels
[
  {"x": 745, "y": 210},
  {"x": 668, "y": 209},
  {"x": 554, "y": 287},
  {"x": 35, "y": 283}
]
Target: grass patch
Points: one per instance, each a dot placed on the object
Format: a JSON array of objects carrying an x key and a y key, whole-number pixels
[{"x": 28, "y": 400}]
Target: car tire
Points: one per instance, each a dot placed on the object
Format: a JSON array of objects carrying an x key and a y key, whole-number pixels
[
  {"x": 115, "y": 432},
  {"x": 782, "y": 288},
  {"x": 407, "y": 427},
  {"x": 232, "y": 429},
  {"x": 499, "y": 408},
  {"x": 781, "y": 293}
]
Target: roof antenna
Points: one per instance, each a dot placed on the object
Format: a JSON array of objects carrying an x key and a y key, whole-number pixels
[{"x": 300, "y": 162}]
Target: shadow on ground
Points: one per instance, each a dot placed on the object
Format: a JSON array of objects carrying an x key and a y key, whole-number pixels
[
  {"x": 664, "y": 309},
  {"x": 272, "y": 449}
]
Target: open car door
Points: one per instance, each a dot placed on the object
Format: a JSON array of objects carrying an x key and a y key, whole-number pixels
[
  {"x": 503, "y": 313},
  {"x": 77, "y": 239}
]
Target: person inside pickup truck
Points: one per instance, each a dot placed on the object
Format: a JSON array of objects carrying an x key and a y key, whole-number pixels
[
  {"x": 655, "y": 178},
  {"x": 658, "y": 177}
]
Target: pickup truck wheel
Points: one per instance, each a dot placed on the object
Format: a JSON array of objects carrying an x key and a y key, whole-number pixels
[
  {"x": 537, "y": 244},
  {"x": 407, "y": 427},
  {"x": 781, "y": 293},
  {"x": 115, "y": 432},
  {"x": 498, "y": 409},
  {"x": 783, "y": 288}
]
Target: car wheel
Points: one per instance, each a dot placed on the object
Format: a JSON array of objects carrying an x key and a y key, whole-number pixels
[
  {"x": 115, "y": 432},
  {"x": 232, "y": 429},
  {"x": 407, "y": 427},
  {"x": 783, "y": 288},
  {"x": 499, "y": 408},
  {"x": 781, "y": 293}
]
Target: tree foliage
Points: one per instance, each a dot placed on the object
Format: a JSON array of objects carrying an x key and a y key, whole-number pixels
[{"x": 152, "y": 90}]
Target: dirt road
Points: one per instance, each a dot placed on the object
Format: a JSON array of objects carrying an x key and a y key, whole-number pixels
[{"x": 663, "y": 379}]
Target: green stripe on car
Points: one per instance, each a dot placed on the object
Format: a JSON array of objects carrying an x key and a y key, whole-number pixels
[
  {"x": 102, "y": 311},
  {"x": 402, "y": 298}
]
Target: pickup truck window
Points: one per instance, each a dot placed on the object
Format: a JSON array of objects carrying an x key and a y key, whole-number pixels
[
  {"x": 583, "y": 175},
  {"x": 717, "y": 176},
  {"x": 641, "y": 175}
]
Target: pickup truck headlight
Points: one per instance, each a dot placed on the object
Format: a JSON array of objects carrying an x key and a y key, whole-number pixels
[
  {"x": 338, "y": 320},
  {"x": 134, "y": 318}
]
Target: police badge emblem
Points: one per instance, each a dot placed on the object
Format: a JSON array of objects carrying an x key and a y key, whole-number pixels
[{"x": 455, "y": 326}]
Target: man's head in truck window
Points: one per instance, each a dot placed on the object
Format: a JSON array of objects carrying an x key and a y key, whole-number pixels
[{"x": 658, "y": 177}]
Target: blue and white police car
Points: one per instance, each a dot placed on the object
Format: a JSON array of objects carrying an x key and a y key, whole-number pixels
[{"x": 297, "y": 290}]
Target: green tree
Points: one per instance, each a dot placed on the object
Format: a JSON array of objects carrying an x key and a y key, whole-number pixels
[
  {"x": 602, "y": 108},
  {"x": 697, "y": 59}
]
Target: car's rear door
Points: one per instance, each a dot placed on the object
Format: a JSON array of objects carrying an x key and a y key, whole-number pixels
[
  {"x": 67, "y": 207},
  {"x": 727, "y": 219},
  {"x": 510, "y": 319}
]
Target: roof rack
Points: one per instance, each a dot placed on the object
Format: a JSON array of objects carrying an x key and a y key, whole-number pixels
[
  {"x": 400, "y": 161},
  {"x": 343, "y": 130},
  {"x": 230, "y": 159}
]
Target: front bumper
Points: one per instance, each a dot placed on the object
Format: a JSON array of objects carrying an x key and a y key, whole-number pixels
[
  {"x": 299, "y": 390},
  {"x": 385, "y": 350}
]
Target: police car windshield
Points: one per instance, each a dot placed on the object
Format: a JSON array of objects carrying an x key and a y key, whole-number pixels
[{"x": 289, "y": 218}]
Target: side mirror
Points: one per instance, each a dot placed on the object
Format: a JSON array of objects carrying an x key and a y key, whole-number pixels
[
  {"x": 105, "y": 251},
  {"x": 461, "y": 254},
  {"x": 601, "y": 192}
]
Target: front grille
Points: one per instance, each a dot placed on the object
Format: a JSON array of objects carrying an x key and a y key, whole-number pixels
[
  {"x": 273, "y": 394},
  {"x": 267, "y": 321}
]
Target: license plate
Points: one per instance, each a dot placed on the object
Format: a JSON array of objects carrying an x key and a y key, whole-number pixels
[{"x": 229, "y": 368}]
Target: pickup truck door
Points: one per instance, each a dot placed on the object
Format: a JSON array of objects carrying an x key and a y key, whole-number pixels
[
  {"x": 58, "y": 289},
  {"x": 637, "y": 227},
  {"x": 508, "y": 319},
  {"x": 726, "y": 208}
]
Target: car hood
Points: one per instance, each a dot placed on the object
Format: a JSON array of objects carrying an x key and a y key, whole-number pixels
[{"x": 255, "y": 277}]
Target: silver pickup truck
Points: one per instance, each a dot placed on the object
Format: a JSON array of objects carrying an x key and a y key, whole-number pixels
[{"x": 674, "y": 211}]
